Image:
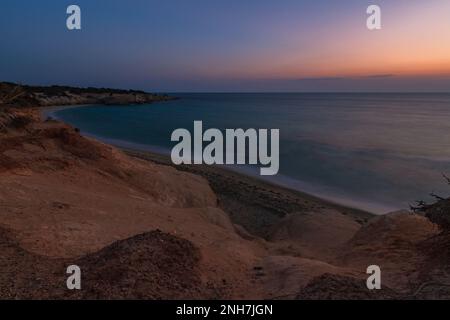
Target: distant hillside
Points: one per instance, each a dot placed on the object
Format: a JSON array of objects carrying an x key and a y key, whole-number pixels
[{"x": 14, "y": 95}]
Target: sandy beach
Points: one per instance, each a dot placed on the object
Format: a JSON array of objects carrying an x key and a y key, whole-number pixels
[{"x": 251, "y": 202}]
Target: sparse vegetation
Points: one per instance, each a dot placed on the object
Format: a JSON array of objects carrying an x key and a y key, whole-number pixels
[
  {"x": 437, "y": 212},
  {"x": 10, "y": 92}
]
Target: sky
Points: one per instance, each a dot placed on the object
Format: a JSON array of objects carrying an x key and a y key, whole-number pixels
[{"x": 232, "y": 45}]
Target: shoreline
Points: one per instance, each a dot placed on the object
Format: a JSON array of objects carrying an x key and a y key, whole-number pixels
[
  {"x": 46, "y": 112},
  {"x": 212, "y": 173},
  {"x": 241, "y": 195}
]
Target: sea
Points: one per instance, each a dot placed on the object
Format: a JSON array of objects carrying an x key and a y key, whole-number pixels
[{"x": 378, "y": 152}]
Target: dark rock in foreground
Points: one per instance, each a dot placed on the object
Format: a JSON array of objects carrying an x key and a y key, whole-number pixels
[
  {"x": 152, "y": 265},
  {"x": 336, "y": 287}
]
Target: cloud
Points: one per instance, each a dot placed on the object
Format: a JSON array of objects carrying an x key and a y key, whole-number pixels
[
  {"x": 321, "y": 79},
  {"x": 376, "y": 76},
  {"x": 372, "y": 76}
]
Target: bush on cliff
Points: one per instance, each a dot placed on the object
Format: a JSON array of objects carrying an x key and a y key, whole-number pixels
[{"x": 437, "y": 212}]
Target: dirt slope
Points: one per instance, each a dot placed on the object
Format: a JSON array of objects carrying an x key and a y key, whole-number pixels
[{"x": 66, "y": 199}]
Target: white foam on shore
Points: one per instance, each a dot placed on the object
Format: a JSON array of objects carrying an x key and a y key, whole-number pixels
[{"x": 321, "y": 192}]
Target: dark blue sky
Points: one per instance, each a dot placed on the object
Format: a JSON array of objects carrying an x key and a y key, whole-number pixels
[{"x": 211, "y": 45}]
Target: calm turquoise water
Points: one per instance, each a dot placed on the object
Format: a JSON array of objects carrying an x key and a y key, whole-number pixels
[{"x": 378, "y": 152}]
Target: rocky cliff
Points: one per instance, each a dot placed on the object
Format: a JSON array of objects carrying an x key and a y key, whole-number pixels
[{"x": 18, "y": 96}]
